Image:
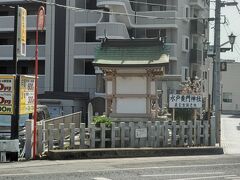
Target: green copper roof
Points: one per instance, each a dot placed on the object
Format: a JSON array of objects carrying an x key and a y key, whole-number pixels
[{"x": 130, "y": 53}]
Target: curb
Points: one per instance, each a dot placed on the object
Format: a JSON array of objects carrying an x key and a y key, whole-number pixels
[{"x": 130, "y": 152}]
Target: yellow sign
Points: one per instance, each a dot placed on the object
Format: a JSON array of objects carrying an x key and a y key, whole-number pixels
[
  {"x": 7, "y": 94},
  {"x": 21, "y": 34},
  {"x": 26, "y": 99},
  {"x": 23, "y": 25}
]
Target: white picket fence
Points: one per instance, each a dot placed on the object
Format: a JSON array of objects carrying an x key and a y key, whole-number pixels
[{"x": 122, "y": 135}]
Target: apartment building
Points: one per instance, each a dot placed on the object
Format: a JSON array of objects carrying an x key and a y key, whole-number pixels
[{"x": 67, "y": 80}]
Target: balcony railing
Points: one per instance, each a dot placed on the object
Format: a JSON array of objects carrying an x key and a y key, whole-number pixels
[
  {"x": 85, "y": 49},
  {"x": 87, "y": 17},
  {"x": 7, "y": 52},
  {"x": 200, "y": 4},
  {"x": 111, "y": 30},
  {"x": 166, "y": 18},
  {"x": 7, "y": 23}
]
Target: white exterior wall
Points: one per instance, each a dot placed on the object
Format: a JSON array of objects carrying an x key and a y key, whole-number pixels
[
  {"x": 131, "y": 85},
  {"x": 231, "y": 84},
  {"x": 131, "y": 105}
]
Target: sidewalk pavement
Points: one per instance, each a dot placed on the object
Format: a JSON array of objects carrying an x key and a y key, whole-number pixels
[{"x": 131, "y": 152}]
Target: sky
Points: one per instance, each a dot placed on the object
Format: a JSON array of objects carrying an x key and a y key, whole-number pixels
[{"x": 232, "y": 26}]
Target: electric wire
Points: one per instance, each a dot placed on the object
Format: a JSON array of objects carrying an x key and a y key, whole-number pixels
[
  {"x": 117, "y": 13},
  {"x": 153, "y": 4}
]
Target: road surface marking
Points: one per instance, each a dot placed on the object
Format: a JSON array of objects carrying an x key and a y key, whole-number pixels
[
  {"x": 101, "y": 178},
  {"x": 161, "y": 167},
  {"x": 207, "y": 177},
  {"x": 183, "y": 174},
  {"x": 235, "y": 178},
  {"x": 123, "y": 169}
]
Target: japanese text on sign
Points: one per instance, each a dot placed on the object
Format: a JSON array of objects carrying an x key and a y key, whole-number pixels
[
  {"x": 6, "y": 94},
  {"x": 26, "y": 94},
  {"x": 185, "y": 101},
  {"x": 141, "y": 133}
]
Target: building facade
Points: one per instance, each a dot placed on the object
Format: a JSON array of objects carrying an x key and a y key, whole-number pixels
[
  {"x": 230, "y": 93},
  {"x": 67, "y": 80}
]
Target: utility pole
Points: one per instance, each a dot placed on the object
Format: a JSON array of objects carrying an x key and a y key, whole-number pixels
[
  {"x": 216, "y": 68},
  {"x": 15, "y": 116}
]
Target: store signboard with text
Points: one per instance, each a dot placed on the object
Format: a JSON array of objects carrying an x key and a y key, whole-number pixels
[
  {"x": 22, "y": 31},
  {"x": 26, "y": 99},
  {"x": 7, "y": 84},
  {"x": 185, "y": 101}
]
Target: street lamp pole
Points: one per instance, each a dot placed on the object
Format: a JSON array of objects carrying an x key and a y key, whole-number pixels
[{"x": 39, "y": 25}]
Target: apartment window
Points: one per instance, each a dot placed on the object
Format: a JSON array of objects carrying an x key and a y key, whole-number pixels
[
  {"x": 84, "y": 66},
  {"x": 4, "y": 13},
  {"x": 86, "y": 4},
  {"x": 160, "y": 5},
  {"x": 28, "y": 66},
  {"x": 3, "y": 70},
  {"x": 24, "y": 70},
  {"x": 90, "y": 35},
  {"x": 185, "y": 44},
  {"x": 31, "y": 38},
  {"x": 3, "y": 41},
  {"x": 227, "y": 97},
  {"x": 185, "y": 73},
  {"x": 80, "y": 3},
  {"x": 187, "y": 14},
  {"x": 85, "y": 34},
  {"x": 154, "y": 33},
  {"x": 91, "y": 4},
  {"x": 140, "y": 33}
]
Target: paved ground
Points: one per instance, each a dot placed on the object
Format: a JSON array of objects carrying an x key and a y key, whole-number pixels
[
  {"x": 156, "y": 168},
  {"x": 230, "y": 134},
  {"x": 226, "y": 167}
]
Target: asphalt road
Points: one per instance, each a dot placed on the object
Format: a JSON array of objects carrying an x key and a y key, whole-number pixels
[{"x": 174, "y": 168}]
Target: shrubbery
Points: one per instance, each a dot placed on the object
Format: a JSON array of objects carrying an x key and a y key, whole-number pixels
[{"x": 102, "y": 119}]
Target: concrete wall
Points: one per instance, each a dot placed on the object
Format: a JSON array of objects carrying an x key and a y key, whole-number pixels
[{"x": 231, "y": 84}]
